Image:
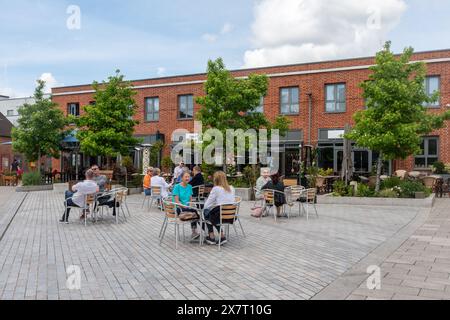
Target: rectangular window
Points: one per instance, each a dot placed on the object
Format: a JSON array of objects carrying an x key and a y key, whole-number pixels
[
  {"x": 432, "y": 85},
  {"x": 73, "y": 109},
  {"x": 429, "y": 154},
  {"x": 289, "y": 100},
  {"x": 152, "y": 109},
  {"x": 335, "y": 97},
  {"x": 186, "y": 106},
  {"x": 10, "y": 113},
  {"x": 260, "y": 107}
]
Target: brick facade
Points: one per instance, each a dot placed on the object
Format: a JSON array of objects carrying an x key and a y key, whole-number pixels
[{"x": 311, "y": 79}]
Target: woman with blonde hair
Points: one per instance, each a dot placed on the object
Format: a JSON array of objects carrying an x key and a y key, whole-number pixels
[{"x": 222, "y": 193}]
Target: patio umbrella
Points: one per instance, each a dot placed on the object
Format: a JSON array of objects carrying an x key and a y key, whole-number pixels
[{"x": 347, "y": 163}]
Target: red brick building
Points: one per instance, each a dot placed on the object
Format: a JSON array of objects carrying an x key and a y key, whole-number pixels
[
  {"x": 319, "y": 98},
  {"x": 6, "y": 153}
]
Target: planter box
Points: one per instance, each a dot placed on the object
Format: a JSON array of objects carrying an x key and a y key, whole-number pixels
[
  {"x": 60, "y": 187},
  {"x": 244, "y": 193},
  {"x": 391, "y": 202},
  {"x": 34, "y": 188},
  {"x": 134, "y": 191}
]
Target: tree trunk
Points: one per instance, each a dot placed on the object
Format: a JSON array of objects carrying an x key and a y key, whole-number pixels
[
  {"x": 38, "y": 164},
  {"x": 379, "y": 165}
]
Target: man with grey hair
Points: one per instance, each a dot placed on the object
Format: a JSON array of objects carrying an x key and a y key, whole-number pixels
[
  {"x": 158, "y": 181},
  {"x": 78, "y": 199}
]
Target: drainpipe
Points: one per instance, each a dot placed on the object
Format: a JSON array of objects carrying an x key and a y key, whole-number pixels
[{"x": 309, "y": 117}]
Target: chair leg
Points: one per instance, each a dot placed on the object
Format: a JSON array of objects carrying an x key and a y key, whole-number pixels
[
  {"x": 143, "y": 202},
  {"x": 163, "y": 232},
  {"x": 242, "y": 229},
  {"x": 307, "y": 211},
  {"x": 220, "y": 236},
  {"x": 177, "y": 231},
  {"x": 150, "y": 203},
  {"x": 128, "y": 209},
  {"x": 162, "y": 227}
]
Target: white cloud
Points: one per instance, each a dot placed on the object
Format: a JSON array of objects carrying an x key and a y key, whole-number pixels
[
  {"x": 213, "y": 37},
  {"x": 161, "y": 71},
  {"x": 50, "y": 81},
  {"x": 208, "y": 37},
  {"x": 226, "y": 28},
  {"x": 293, "y": 31}
]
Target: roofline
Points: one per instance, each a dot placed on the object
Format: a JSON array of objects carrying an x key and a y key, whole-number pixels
[
  {"x": 258, "y": 68},
  {"x": 269, "y": 75},
  {"x": 28, "y": 97}
]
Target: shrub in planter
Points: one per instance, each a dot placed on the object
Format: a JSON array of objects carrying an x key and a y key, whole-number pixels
[
  {"x": 31, "y": 179},
  {"x": 365, "y": 191},
  {"x": 439, "y": 168},
  {"x": 390, "y": 183},
  {"x": 388, "y": 193},
  {"x": 325, "y": 172},
  {"x": 408, "y": 189},
  {"x": 340, "y": 189}
]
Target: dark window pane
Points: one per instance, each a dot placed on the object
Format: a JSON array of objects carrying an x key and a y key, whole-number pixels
[
  {"x": 431, "y": 161},
  {"x": 420, "y": 162},
  {"x": 432, "y": 147}
]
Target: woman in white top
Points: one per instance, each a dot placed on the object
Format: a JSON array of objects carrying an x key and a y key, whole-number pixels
[
  {"x": 158, "y": 181},
  {"x": 222, "y": 193}
]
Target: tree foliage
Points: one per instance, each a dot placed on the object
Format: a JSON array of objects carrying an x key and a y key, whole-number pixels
[
  {"x": 395, "y": 118},
  {"x": 40, "y": 127},
  {"x": 107, "y": 127},
  {"x": 231, "y": 103}
]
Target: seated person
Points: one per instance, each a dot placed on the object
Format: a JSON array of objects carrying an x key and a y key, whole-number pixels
[
  {"x": 77, "y": 199},
  {"x": 221, "y": 193},
  {"x": 197, "y": 180},
  {"x": 158, "y": 181},
  {"x": 182, "y": 194},
  {"x": 261, "y": 182},
  {"x": 279, "y": 197},
  {"x": 146, "y": 184},
  {"x": 99, "y": 179}
]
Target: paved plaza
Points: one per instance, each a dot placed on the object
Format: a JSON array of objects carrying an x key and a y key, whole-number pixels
[{"x": 288, "y": 259}]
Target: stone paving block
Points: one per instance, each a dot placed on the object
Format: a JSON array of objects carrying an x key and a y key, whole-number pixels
[{"x": 291, "y": 259}]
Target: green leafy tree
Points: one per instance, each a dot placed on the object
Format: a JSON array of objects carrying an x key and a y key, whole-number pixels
[
  {"x": 40, "y": 128},
  {"x": 231, "y": 103},
  {"x": 395, "y": 119},
  {"x": 107, "y": 127}
]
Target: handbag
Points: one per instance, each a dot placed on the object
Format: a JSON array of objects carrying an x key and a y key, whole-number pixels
[
  {"x": 186, "y": 216},
  {"x": 257, "y": 212}
]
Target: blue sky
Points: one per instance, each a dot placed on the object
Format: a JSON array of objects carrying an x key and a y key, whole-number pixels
[{"x": 161, "y": 38}]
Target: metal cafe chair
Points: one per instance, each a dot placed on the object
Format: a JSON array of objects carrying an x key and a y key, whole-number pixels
[
  {"x": 269, "y": 202},
  {"x": 293, "y": 195},
  {"x": 201, "y": 192},
  {"x": 171, "y": 217},
  {"x": 156, "y": 195},
  {"x": 229, "y": 215},
  {"x": 308, "y": 199},
  {"x": 88, "y": 201}
]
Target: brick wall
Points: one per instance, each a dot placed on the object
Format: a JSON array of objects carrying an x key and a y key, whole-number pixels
[{"x": 169, "y": 88}]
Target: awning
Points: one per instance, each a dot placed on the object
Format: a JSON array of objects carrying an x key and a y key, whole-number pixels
[
  {"x": 8, "y": 143},
  {"x": 71, "y": 138},
  {"x": 70, "y": 142}
]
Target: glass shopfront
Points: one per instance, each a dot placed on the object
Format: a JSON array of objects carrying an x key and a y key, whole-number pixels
[{"x": 331, "y": 154}]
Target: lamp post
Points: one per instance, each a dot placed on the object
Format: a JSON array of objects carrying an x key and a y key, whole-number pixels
[{"x": 146, "y": 157}]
